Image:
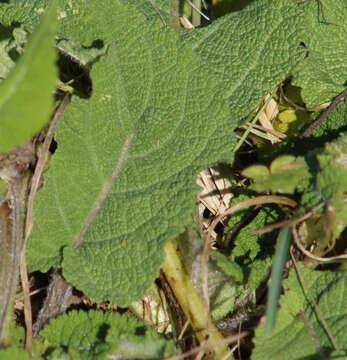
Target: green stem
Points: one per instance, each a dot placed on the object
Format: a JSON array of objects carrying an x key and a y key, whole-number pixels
[
  {"x": 174, "y": 15},
  {"x": 196, "y": 17},
  {"x": 190, "y": 301}
]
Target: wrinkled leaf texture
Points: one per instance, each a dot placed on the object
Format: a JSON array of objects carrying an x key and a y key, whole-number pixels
[
  {"x": 96, "y": 334},
  {"x": 152, "y": 88},
  {"x": 298, "y": 333},
  {"x": 323, "y": 73}
]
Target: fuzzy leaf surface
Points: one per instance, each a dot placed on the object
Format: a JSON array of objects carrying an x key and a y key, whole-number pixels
[
  {"x": 335, "y": 123},
  {"x": 148, "y": 87},
  {"x": 14, "y": 353},
  {"x": 253, "y": 253},
  {"x": 323, "y": 74},
  {"x": 26, "y": 98},
  {"x": 97, "y": 334},
  {"x": 332, "y": 181},
  {"x": 153, "y": 9},
  {"x": 296, "y": 338},
  {"x": 251, "y": 51},
  {"x": 6, "y": 63}
]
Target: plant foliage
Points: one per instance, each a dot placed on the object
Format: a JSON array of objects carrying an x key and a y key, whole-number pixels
[
  {"x": 150, "y": 108},
  {"x": 96, "y": 334},
  {"x": 298, "y": 322}
]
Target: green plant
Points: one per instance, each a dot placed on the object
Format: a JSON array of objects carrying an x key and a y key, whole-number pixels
[{"x": 141, "y": 109}]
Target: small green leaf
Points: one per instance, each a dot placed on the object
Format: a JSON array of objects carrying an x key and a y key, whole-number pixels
[
  {"x": 26, "y": 96},
  {"x": 287, "y": 116},
  {"x": 285, "y": 175},
  {"x": 229, "y": 267},
  {"x": 283, "y": 163},
  {"x": 256, "y": 172}
]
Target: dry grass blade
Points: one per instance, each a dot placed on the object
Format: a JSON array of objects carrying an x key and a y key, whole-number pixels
[
  {"x": 267, "y": 130},
  {"x": 215, "y": 195},
  {"x": 29, "y": 221},
  {"x": 186, "y": 23},
  {"x": 15, "y": 173},
  {"x": 257, "y": 116},
  {"x": 270, "y": 112}
]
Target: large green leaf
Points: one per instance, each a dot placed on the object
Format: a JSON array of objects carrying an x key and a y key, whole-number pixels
[
  {"x": 298, "y": 333},
  {"x": 151, "y": 89},
  {"x": 251, "y": 50},
  {"x": 26, "y": 96},
  {"x": 323, "y": 73},
  {"x": 153, "y": 9},
  {"x": 13, "y": 353}
]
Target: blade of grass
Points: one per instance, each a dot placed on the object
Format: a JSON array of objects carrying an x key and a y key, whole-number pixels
[
  {"x": 281, "y": 254},
  {"x": 262, "y": 109}
]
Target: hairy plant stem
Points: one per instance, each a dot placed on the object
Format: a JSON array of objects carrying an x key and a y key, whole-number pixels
[
  {"x": 190, "y": 301},
  {"x": 174, "y": 16},
  {"x": 14, "y": 172},
  {"x": 196, "y": 17}
]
